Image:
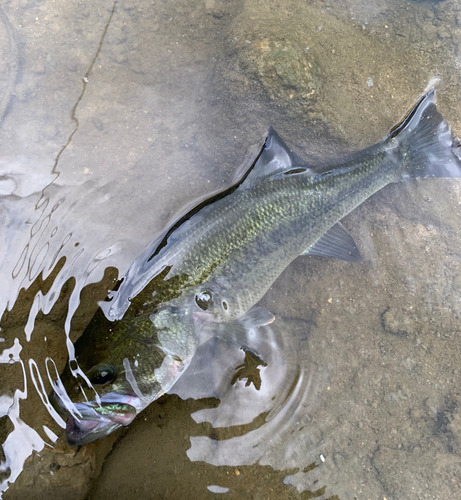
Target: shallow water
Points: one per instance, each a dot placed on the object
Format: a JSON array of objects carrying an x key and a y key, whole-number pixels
[{"x": 116, "y": 117}]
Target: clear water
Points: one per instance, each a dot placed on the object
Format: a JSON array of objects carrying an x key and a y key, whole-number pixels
[{"x": 116, "y": 117}]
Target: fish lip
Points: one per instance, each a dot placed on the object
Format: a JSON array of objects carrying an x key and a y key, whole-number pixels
[
  {"x": 95, "y": 424},
  {"x": 80, "y": 432},
  {"x": 89, "y": 422}
]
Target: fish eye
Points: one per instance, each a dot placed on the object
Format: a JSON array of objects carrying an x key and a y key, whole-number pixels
[
  {"x": 102, "y": 374},
  {"x": 203, "y": 300}
]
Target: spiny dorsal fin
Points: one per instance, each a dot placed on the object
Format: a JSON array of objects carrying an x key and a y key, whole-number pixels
[
  {"x": 275, "y": 158},
  {"x": 336, "y": 243}
]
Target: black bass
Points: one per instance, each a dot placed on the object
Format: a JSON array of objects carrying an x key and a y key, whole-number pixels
[{"x": 205, "y": 274}]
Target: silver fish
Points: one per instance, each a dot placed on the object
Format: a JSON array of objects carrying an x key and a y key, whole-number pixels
[{"x": 205, "y": 274}]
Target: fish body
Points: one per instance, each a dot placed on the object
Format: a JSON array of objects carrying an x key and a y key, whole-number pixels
[{"x": 205, "y": 274}]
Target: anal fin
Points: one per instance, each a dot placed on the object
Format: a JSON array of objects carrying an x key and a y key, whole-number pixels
[{"x": 336, "y": 243}]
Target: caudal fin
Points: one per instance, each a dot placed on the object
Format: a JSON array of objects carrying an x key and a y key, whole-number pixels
[{"x": 425, "y": 142}]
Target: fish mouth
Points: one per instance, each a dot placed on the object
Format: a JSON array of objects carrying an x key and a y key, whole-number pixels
[
  {"x": 93, "y": 420},
  {"x": 97, "y": 421}
]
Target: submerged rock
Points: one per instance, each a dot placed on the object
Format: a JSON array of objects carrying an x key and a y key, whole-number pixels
[{"x": 286, "y": 70}]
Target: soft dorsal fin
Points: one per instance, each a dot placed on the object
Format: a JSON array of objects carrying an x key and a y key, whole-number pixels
[
  {"x": 275, "y": 158},
  {"x": 336, "y": 243}
]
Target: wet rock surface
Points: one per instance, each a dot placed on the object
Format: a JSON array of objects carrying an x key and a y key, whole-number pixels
[{"x": 285, "y": 70}]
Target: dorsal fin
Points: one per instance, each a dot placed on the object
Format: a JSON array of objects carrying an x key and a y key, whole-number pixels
[{"x": 275, "y": 158}]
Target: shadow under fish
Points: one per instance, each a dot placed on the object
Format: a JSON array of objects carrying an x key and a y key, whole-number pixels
[{"x": 204, "y": 275}]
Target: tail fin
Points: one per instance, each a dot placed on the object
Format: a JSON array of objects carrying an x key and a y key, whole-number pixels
[{"x": 425, "y": 142}]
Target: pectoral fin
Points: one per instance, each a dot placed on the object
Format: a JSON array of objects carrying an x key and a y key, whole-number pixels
[
  {"x": 336, "y": 243},
  {"x": 239, "y": 332},
  {"x": 257, "y": 316}
]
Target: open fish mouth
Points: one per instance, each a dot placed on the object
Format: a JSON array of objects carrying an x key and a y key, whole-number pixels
[
  {"x": 97, "y": 421},
  {"x": 93, "y": 420}
]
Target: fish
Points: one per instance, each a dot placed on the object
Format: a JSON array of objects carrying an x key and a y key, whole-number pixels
[{"x": 204, "y": 276}]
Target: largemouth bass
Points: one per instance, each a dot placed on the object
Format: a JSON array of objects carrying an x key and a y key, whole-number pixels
[{"x": 206, "y": 273}]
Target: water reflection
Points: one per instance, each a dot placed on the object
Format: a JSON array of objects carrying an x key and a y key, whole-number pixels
[
  {"x": 382, "y": 343},
  {"x": 269, "y": 415}
]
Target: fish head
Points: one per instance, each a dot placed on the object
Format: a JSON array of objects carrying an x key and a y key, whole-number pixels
[
  {"x": 118, "y": 368},
  {"x": 96, "y": 400}
]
